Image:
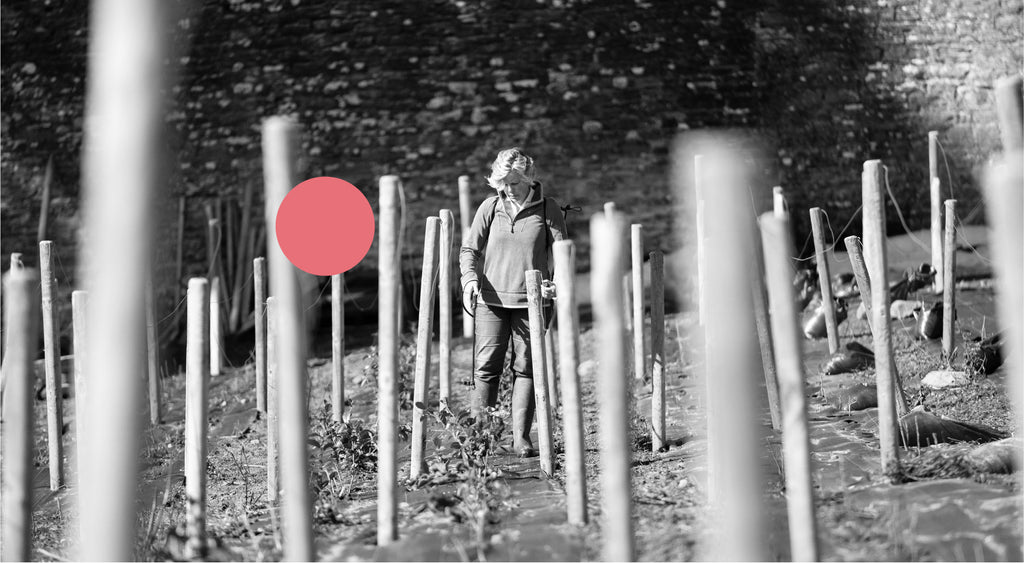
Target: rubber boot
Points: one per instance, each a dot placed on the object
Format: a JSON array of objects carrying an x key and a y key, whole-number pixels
[
  {"x": 523, "y": 404},
  {"x": 485, "y": 395}
]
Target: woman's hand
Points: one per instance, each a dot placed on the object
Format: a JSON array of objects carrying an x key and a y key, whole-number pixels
[
  {"x": 469, "y": 296},
  {"x": 547, "y": 289}
]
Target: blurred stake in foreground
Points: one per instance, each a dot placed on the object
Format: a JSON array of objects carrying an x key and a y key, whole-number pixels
[
  {"x": 568, "y": 361},
  {"x": 608, "y": 250},
  {"x": 123, "y": 121},
  {"x": 22, "y": 326},
  {"x": 280, "y": 153},
  {"x": 1004, "y": 199},
  {"x": 733, "y": 361}
]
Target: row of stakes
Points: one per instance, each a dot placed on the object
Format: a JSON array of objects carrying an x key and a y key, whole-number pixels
[
  {"x": 117, "y": 201},
  {"x": 786, "y": 398}
]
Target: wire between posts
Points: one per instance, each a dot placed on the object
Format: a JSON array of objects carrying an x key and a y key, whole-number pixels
[{"x": 899, "y": 213}]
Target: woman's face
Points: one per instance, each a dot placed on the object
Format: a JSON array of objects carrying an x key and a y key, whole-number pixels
[{"x": 515, "y": 183}]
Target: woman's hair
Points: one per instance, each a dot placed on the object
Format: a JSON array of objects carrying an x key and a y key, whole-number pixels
[{"x": 507, "y": 161}]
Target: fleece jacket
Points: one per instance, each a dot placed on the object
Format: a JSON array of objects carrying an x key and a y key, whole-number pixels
[{"x": 500, "y": 247}]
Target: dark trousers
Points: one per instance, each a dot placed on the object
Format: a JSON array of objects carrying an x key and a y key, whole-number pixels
[{"x": 496, "y": 327}]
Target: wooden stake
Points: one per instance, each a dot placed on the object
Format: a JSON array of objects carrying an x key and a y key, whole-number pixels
[
  {"x": 197, "y": 374},
  {"x": 778, "y": 247},
  {"x": 273, "y": 407},
  {"x": 825, "y": 279},
  {"x": 215, "y": 332},
  {"x": 444, "y": 298},
  {"x": 698, "y": 183},
  {"x": 79, "y": 301},
  {"x": 875, "y": 249},
  {"x": 44, "y": 205},
  {"x": 564, "y": 252},
  {"x": 637, "y": 254},
  {"x": 1004, "y": 204},
  {"x": 759, "y": 297},
  {"x": 259, "y": 272},
  {"x": 779, "y": 205},
  {"x": 153, "y": 356},
  {"x": 540, "y": 388},
  {"x": 935, "y": 190},
  {"x": 607, "y": 236},
  {"x": 1010, "y": 109},
  {"x": 732, "y": 364},
  {"x": 627, "y": 309},
  {"x": 550, "y": 361},
  {"x": 389, "y": 272},
  {"x": 658, "y": 436},
  {"x": 121, "y": 162},
  {"x": 337, "y": 347},
  {"x": 280, "y": 150},
  {"x": 240, "y": 278},
  {"x": 860, "y": 272},
  {"x": 22, "y": 328},
  {"x": 15, "y": 265},
  {"x": 51, "y": 347},
  {"x": 466, "y": 213},
  {"x": 949, "y": 285},
  {"x": 423, "y": 336},
  {"x": 179, "y": 254}
]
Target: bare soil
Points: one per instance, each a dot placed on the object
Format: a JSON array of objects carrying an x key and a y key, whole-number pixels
[{"x": 860, "y": 515}]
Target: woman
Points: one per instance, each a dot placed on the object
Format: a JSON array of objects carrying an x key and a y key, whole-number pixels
[{"x": 512, "y": 233}]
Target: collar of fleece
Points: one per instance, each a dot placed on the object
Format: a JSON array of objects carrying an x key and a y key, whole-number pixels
[{"x": 533, "y": 197}]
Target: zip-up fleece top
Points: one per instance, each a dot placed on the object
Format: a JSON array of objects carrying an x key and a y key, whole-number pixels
[{"x": 499, "y": 248}]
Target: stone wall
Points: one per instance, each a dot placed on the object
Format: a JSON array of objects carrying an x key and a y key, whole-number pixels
[{"x": 596, "y": 90}]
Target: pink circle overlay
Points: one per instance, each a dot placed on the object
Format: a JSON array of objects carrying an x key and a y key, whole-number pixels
[{"x": 325, "y": 226}]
